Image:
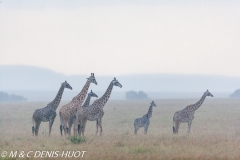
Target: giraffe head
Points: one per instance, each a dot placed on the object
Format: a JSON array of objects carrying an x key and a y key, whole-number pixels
[
  {"x": 92, "y": 94},
  {"x": 116, "y": 83},
  {"x": 207, "y": 93},
  {"x": 92, "y": 79},
  {"x": 153, "y": 104},
  {"x": 66, "y": 85}
]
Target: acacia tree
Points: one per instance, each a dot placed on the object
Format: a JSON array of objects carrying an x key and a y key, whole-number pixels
[{"x": 136, "y": 95}]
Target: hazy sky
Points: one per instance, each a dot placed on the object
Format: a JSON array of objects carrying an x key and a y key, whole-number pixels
[{"x": 122, "y": 37}]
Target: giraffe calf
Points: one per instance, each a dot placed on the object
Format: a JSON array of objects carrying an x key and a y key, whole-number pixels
[{"x": 144, "y": 121}]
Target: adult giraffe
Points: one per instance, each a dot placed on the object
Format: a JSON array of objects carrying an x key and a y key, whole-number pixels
[
  {"x": 48, "y": 113},
  {"x": 68, "y": 112},
  {"x": 95, "y": 111},
  {"x": 87, "y": 102},
  {"x": 187, "y": 114}
]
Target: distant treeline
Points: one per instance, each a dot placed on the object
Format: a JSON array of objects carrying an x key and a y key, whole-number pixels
[
  {"x": 136, "y": 95},
  {"x": 4, "y": 97}
]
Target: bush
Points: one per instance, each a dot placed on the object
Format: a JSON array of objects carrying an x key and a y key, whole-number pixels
[
  {"x": 136, "y": 95},
  {"x": 77, "y": 139}
]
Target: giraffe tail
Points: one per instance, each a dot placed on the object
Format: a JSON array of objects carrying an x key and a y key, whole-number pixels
[{"x": 173, "y": 126}]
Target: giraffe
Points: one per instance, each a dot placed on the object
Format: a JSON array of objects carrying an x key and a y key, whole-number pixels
[
  {"x": 68, "y": 112},
  {"x": 187, "y": 114},
  {"x": 95, "y": 111},
  {"x": 48, "y": 113},
  {"x": 145, "y": 120},
  {"x": 86, "y": 103}
]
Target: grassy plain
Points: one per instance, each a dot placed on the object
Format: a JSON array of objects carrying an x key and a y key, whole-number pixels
[{"x": 215, "y": 132}]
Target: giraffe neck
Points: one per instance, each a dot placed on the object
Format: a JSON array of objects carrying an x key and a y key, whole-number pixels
[
  {"x": 57, "y": 99},
  {"x": 81, "y": 96},
  {"x": 87, "y": 101},
  {"x": 149, "y": 114},
  {"x": 103, "y": 100},
  {"x": 199, "y": 103}
]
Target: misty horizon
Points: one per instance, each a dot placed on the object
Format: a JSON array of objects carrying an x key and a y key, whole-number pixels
[
  {"x": 37, "y": 83},
  {"x": 130, "y": 74}
]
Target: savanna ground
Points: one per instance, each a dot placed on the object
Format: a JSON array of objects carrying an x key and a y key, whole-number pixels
[{"x": 215, "y": 132}]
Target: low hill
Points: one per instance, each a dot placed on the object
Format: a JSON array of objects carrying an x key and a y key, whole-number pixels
[
  {"x": 235, "y": 94},
  {"x": 16, "y": 79}
]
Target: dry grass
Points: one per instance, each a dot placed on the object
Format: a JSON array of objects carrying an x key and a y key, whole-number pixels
[{"x": 215, "y": 131}]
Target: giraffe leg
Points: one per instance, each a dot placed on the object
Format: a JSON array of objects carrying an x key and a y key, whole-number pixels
[
  {"x": 177, "y": 127},
  {"x": 61, "y": 128},
  {"x": 83, "y": 126},
  {"x": 136, "y": 129},
  {"x": 37, "y": 127},
  {"x": 100, "y": 124},
  {"x": 64, "y": 130},
  {"x": 75, "y": 127},
  {"x": 33, "y": 127},
  {"x": 76, "y": 121},
  {"x": 145, "y": 129},
  {"x": 79, "y": 128},
  {"x": 174, "y": 126},
  {"x": 189, "y": 126},
  {"x": 50, "y": 125},
  {"x": 65, "y": 127},
  {"x": 51, "y": 120},
  {"x": 71, "y": 123},
  {"x": 33, "y": 130},
  {"x": 96, "y": 127},
  {"x": 61, "y": 125},
  {"x": 70, "y": 128}
]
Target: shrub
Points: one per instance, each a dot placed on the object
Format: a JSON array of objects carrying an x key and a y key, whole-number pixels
[
  {"x": 136, "y": 95},
  {"x": 77, "y": 139}
]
